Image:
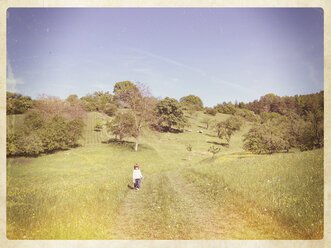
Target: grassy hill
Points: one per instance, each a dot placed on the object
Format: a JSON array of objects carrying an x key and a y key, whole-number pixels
[{"x": 83, "y": 193}]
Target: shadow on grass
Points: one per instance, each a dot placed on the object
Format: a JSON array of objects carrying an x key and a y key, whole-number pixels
[
  {"x": 204, "y": 127},
  {"x": 218, "y": 143},
  {"x": 211, "y": 135},
  {"x": 130, "y": 145},
  {"x": 130, "y": 187}
]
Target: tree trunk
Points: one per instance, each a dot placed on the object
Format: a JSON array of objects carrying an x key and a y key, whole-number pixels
[{"x": 137, "y": 142}]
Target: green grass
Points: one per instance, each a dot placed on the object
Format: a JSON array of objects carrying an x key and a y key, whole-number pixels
[
  {"x": 83, "y": 193},
  {"x": 90, "y": 136},
  {"x": 287, "y": 187},
  {"x": 74, "y": 194}
]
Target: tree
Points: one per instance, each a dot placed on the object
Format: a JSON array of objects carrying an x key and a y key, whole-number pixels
[
  {"x": 49, "y": 106},
  {"x": 246, "y": 114},
  {"x": 229, "y": 108},
  {"x": 224, "y": 132},
  {"x": 72, "y": 98},
  {"x": 18, "y": 104},
  {"x": 312, "y": 133},
  {"x": 225, "y": 129},
  {"x": 100, "y": 101},
  {"x": 123, "y": 125},
  {"x": 139, "y": 100},
  {"x": 192, "y": 101},
  {"x": 268, "y": 137},
  {"x": 127, "y": 93},
  {"x": 206, "y": 121},
  {"x": 214, "y": 150},
  {"x": 170, "y": 114},
  {"x": 189, "y": 149}
]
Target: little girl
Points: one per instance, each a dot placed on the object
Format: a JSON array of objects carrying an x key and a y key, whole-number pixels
[{"x": 136, "y": 175}]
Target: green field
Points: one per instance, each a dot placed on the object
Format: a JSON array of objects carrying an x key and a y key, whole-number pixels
[{"x": 83, "y": 193}]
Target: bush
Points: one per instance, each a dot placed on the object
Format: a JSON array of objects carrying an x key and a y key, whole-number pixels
[
  {"x": 12, "y": 143},
  {"x": 246, "y": 114},
  {"x": 269, "y": 137},
  {"x": 30, "y": 145},
  {"x": 210, "y": 111},
  {"x": 36, "y": 136}
]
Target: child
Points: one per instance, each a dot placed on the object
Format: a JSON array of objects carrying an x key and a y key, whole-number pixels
[{"x": 136, "y": 175}]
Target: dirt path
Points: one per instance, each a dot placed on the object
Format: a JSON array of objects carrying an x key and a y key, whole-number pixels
[{"x": 167, "y": 207}]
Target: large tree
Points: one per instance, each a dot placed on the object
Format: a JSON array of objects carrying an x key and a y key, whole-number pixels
[
  {"x": 138, "y": 99},
  {"x": 127, "y": 93},
  {"x": 18, "y": 104},
  {"x": 170, "y": 114},
  {"x": 192, "y": 101}
]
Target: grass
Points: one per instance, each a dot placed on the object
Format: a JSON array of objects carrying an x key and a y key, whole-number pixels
[
  {"x": 90, "y": 136},
  {"x": 74, "y": 194},
  {"x": 286, "y": 187},
  {"x": 83, "y": 193}
]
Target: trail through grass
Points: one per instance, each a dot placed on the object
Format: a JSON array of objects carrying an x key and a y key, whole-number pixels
[{"x": 83, "y": 193}]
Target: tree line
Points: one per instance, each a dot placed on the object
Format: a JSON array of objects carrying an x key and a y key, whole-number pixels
[{"x": 279, "y": 123}]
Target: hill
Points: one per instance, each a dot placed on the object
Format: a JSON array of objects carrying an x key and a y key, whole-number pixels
[{"x": 84, "y": 193}]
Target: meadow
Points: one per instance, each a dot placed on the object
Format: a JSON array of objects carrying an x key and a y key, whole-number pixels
[{"x": 83, "y": 193}]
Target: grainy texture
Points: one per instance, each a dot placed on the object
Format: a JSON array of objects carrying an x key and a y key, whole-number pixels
[{"x": 103, "y": 3}]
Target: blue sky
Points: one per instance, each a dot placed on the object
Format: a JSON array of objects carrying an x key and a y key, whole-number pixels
[{"x": 218, "y": 54}]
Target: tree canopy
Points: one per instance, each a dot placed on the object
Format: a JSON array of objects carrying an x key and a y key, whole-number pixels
[
  {"x": 17, "y": 103},
  {"x": 170, "y": 114},
  {"x": 192, "y": 101},
  {"x": 138, "y": 98}
]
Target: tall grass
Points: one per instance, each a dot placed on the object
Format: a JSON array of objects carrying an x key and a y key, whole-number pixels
[
  {"x": 287, "y": 187},
  {"x": 74, "y": 194}
]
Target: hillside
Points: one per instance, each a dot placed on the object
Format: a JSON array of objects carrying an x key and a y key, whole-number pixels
[{"x": 83, "y": 193}]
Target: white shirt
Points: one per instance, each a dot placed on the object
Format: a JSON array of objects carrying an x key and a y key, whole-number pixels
[{"x": 136, "y": 174}]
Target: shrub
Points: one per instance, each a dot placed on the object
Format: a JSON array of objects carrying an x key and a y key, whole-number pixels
[
  {"x": 12, "y": 143},
  {"x": 210, "y": 111},
  {"x": 268, "y": 137},
  {"x": 30, "y": 145}
]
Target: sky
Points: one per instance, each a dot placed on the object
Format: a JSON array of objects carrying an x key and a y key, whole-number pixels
[{"x": 218, "y": 54}]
